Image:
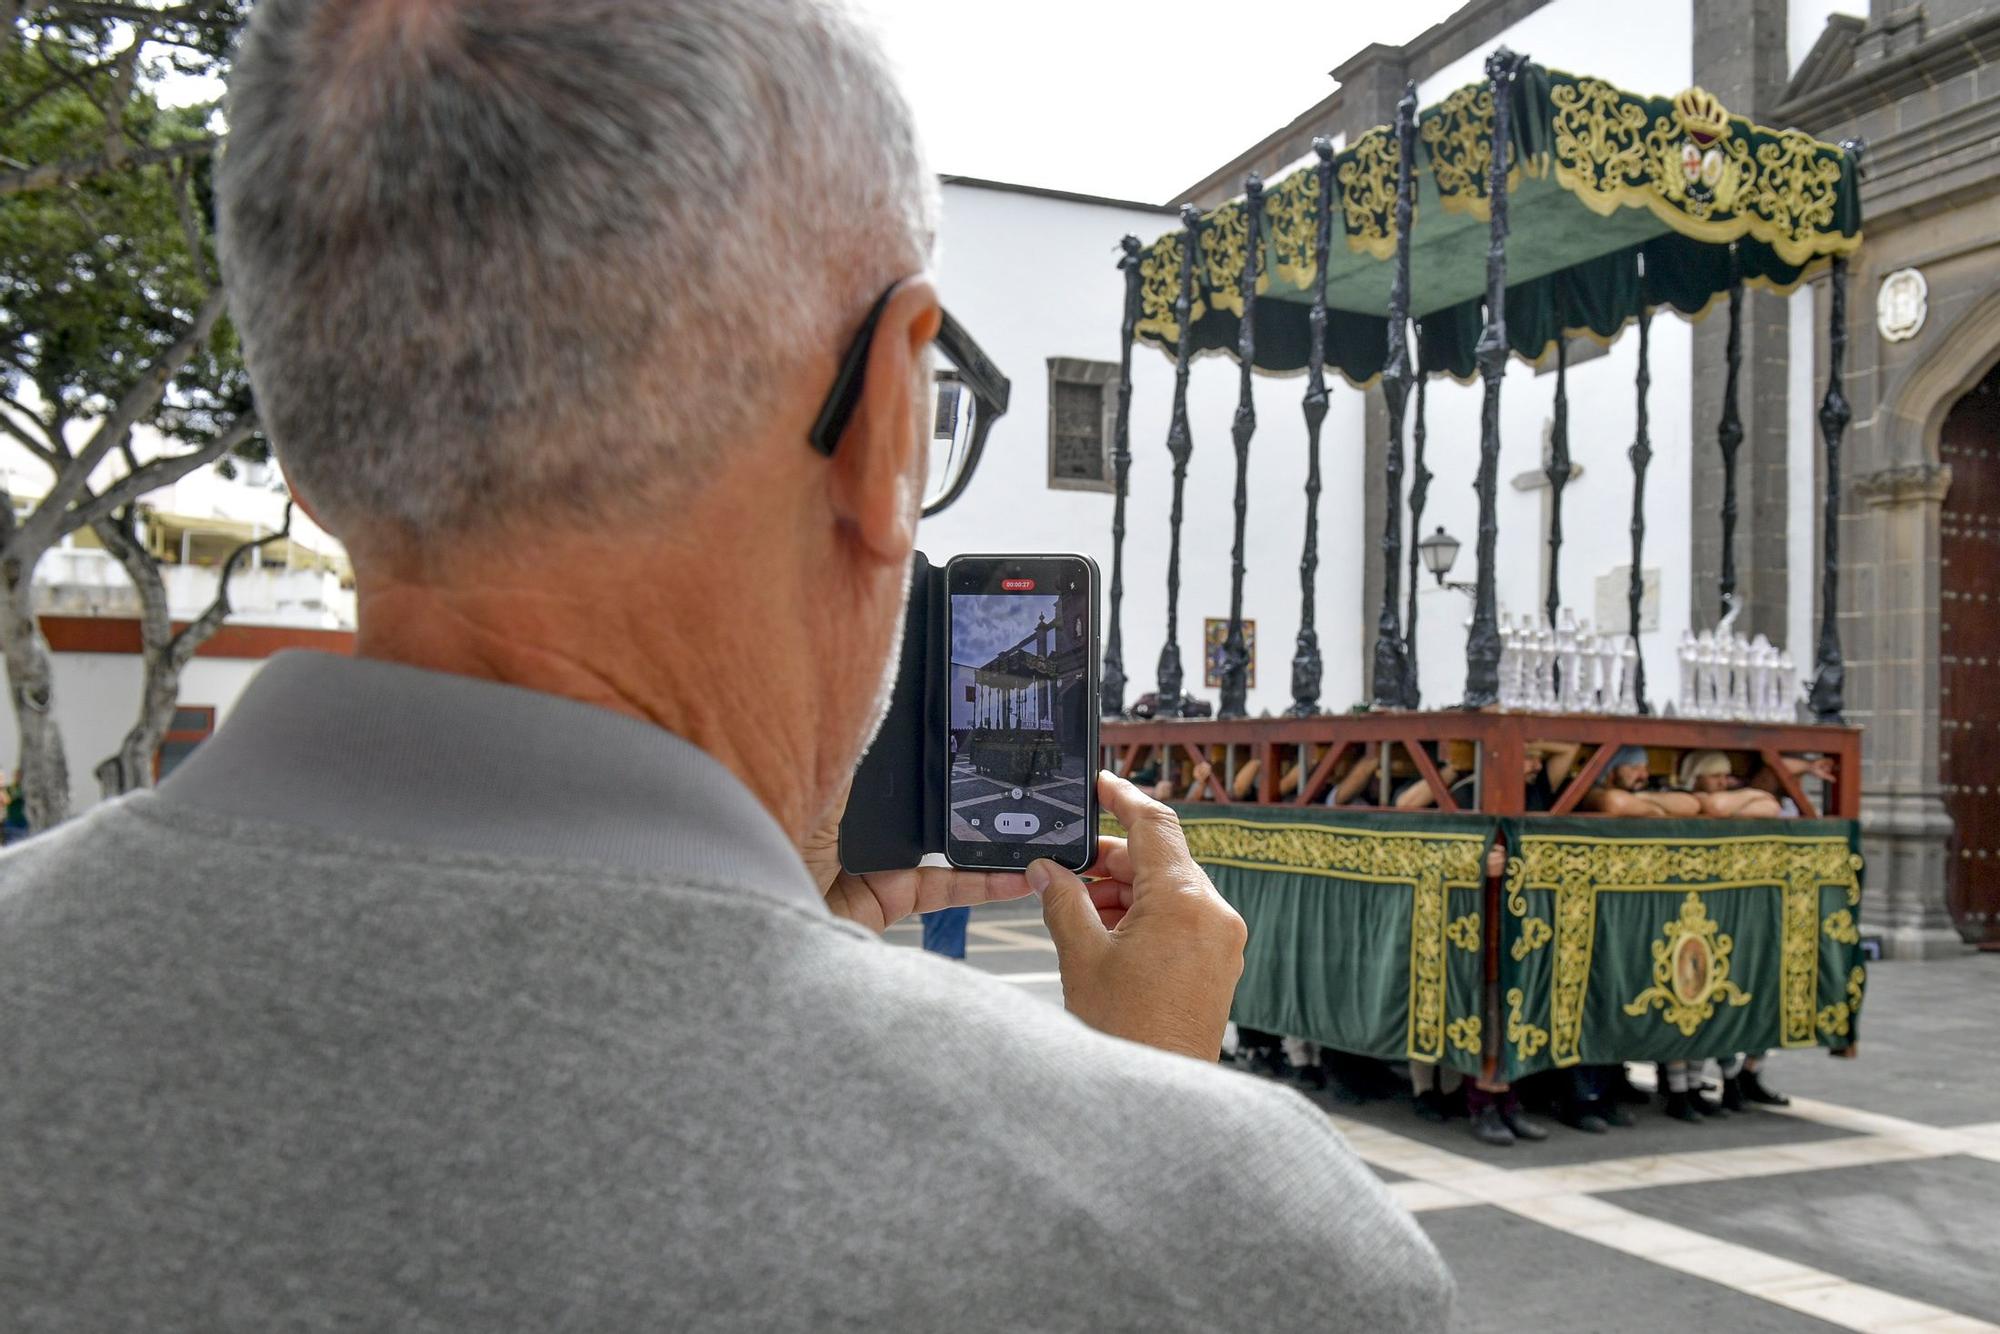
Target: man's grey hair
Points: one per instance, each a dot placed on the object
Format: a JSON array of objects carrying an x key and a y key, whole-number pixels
[{"x": 496, "y": 258}]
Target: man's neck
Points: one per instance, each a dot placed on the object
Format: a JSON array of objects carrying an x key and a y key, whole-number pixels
[{"x": 663, "y": 657}]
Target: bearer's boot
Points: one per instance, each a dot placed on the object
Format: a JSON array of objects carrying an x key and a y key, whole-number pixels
[
  {"x": 1755, "y": 1091},
  {"x": 1699, "y": 1100},
  {"x": 1431, "y": 1107},
  {"x": 1732, "y": 1094},
  {"x": 1622, "y": 1090},
  {"x": 1679, "y": 1108},
  {"x": 1523, "y": 1128},
  {"x": 1489, "y": 1127}
]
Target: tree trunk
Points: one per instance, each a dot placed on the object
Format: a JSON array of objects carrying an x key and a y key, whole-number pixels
[
  {"x": 130, "y": 768},
  {"x": 166, "y": 654},
  {"x": 44, "y": 766}
]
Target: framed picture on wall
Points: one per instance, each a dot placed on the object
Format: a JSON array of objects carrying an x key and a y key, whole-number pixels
[{"x": 1214, "y": 634}]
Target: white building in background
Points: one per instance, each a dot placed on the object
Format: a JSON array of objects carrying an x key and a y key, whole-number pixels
[
  {"x": 296, "y": 593},
  {"x": 1031, "y": 273}
]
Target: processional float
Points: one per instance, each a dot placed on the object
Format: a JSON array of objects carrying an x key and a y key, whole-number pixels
[{"x": 1516, "y": 214}]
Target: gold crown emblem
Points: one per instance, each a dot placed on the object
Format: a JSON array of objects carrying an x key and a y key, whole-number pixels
[{"x": 1702, "y": 114}]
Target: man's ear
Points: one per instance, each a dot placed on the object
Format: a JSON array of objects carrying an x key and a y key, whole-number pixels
[
  {"x": 298, "y": 498},
  {"x": 878, "y": 465}
]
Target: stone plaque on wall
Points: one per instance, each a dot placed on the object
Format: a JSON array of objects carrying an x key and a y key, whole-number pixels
[{"x": 1613, "y": 614}]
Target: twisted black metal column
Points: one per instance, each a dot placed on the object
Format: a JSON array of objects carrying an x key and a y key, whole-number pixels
[
  {"x": 1482, "y": 644},
  {"x": 1729, "y": 432},
  {"x": 1420, "y": 489},
  {"x": 1180, "y": 445},
  {"x": 1392, "y": 685},
  {"x": 1111, "y": 683},
  {"x": 1830, "y": 674},
  {"x": 1235, "y": 655},
  {"x": 1641, "y": 454},
  {"x": 1558, "y": 471},
  {"x": 1306, "y": 669}
]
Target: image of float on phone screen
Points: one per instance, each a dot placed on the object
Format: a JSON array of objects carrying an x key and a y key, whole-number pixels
[{"x": 1019, "y": 714}]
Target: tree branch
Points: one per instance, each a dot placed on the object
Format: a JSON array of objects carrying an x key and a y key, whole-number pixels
[
  {"x": 51, "y": 175},
  {"x": 190, "y": 226},
  {"x": 29, "y": 442},
  {"x": 156, "y": 474},
  {"x": 198, "y": 631},
  {"x": 50, "y": 516}
]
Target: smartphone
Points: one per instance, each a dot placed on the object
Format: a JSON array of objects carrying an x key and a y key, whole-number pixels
[{"x": 1021, "y": 715}]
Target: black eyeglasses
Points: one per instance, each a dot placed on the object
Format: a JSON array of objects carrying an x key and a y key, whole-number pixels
[{"x": 967, "y": 397}]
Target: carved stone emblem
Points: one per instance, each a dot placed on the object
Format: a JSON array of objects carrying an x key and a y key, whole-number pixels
[{"x": 1901, "y": 304}]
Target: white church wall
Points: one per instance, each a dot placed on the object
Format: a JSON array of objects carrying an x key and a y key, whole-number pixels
[
  {"x": 1597, "y": 506},
  {"x": 1034, "y": 277}
]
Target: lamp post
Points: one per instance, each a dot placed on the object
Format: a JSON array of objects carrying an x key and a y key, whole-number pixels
[{"x": 1440, "y": 552}]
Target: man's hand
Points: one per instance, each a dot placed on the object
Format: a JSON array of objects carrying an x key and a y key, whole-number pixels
[
  {"x": 1150, "y": 952},
  {"x": 882, "y": 897}
]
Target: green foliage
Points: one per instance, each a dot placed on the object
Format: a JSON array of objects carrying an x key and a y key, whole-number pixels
[{"x": 100, "y": 275}]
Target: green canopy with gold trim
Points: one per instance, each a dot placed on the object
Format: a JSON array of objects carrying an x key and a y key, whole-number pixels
[{"x": 1600, "y": 177}]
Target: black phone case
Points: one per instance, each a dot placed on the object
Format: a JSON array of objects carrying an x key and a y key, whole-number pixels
[
  {"x": 896, "y": 809},
  {"x": 899, "y": 806}
]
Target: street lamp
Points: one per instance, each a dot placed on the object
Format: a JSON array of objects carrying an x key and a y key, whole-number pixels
[{"x": 1440, "y": 553}]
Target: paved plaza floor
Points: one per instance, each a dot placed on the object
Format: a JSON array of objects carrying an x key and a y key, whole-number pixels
[{"x": 1872, "y": 1203}]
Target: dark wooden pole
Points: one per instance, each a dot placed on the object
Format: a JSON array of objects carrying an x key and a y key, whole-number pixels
[
  {"x": 1729, "y": 432},
  {"x": 1179, "y": 444},
  {"x": 1558, "y": 471},
  {"x": 1111, "y": 684},
  {"x": 1482, "y": 644},
  {"x": 1420, "y": 489},
  {"x": 1830, "y": 673},
  {"x": 1306, "y": 667},
  {"x": 1392, "y": 684},
  {"x": 1235, "y": 654},
  {"x": 1641, "y": 454}
]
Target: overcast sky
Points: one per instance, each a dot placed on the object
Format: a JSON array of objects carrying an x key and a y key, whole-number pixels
[
  {"x": 1116, "y": 98},
  {"x": 984, "y": 627}
]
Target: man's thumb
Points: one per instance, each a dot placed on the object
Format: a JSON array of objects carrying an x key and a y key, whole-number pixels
[{"x": 1066, "y": 907}]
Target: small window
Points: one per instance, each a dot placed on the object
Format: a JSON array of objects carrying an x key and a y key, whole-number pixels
[
  {"x": 191, "y": 725},
  {"x": 1083, "y": 403}
]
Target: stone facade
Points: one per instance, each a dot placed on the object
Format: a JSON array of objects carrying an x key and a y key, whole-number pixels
[{"x": 1921, "y": 84}]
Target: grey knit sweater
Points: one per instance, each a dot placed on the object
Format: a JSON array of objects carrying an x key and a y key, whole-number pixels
[{"x": 417, "y": 1003}]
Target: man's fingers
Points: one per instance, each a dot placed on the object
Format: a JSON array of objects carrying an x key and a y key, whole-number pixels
[
  {"x": 1110, "y": 894},
  {"x": 1114, "y": 860},
  {"x": 1067, "y": 908},
  {"x": 1145, "y": 820}
]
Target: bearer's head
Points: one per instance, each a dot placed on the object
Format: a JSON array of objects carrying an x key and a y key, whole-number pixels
[
  {"x": 1629, "y": 769},
  {"x": 541, "y": 299},
  {"x": 1707, "y": 771}
]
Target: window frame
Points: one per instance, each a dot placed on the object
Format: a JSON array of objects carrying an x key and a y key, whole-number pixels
[{"x": 1103, "y": 375}]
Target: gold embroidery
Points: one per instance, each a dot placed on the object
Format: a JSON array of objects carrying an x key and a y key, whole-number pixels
[
  {"x": 1160, "y": 288},
  {"x": 1367, "y": 175},
  {"x": 1535, "y": 933},
  {"x": 1428, "y": 863},
  {"x": 1837, "y": 1019},
  {"x": 1464, "y": 932},
  {"x": 1464, "y": 1033},
  {"x": 1427, "y": 987},
  {"x": 1527, "y": 1039},
  {"x": 1840, "y": 927},
  {"x": 1459, "y": 136},
  {"x": 1798, "y": 950},
  {"x": 1695, "y": 169},
  {"x": 1224, "y": 250},
  {"x": 1291, "y": 214},
  {"x": 1690, "y": 971},
  {"x": 1580, "y": 868}
]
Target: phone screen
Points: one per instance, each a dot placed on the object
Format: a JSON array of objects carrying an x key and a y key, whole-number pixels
[{"x": 1023, "y": 710}]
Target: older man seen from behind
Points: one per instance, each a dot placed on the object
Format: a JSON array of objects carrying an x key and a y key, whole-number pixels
[{"x": 479, "y": 981}]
